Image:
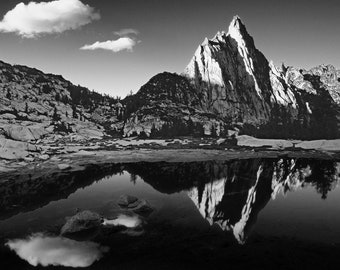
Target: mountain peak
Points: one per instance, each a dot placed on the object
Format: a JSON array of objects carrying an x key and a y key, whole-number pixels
[
  {"x": 211, "y": 60},
  {"x": 237, "y": 29},
  {"x": 236, "y": 21}
]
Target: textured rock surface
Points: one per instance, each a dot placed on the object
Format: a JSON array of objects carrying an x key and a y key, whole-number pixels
[
  {"x": 25, "y": 133},
  {"x": 12, "y": 150}
]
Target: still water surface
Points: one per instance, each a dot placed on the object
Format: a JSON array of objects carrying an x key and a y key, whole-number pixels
[{"x": 228, "y": 210}]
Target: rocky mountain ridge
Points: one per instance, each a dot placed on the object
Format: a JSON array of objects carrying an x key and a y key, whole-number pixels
[{"x": 235, "y": 87}]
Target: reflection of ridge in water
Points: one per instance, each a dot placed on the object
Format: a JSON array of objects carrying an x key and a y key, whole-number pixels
[
  {"x": 231, "y": 194},
  {"x": 234, "y": 202},
  {"x": 25, "y": 193},
  {"x": 240, "y": 196}
]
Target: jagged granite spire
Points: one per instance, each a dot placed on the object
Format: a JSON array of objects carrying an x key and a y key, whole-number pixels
[{"x": 229, "y": 69}]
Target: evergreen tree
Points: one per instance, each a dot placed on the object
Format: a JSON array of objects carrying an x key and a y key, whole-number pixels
[
  {"x": 56, "y": 116},
  {"x": 8, "y": 95},
  {"x": 74, "y": 111}
]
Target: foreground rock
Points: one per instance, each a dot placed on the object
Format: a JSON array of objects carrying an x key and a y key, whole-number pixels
[
  {"x": 13, "y": 150},
  {"x": 83, "y": 221}
]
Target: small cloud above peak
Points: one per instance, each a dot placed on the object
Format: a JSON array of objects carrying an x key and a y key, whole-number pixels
[
  {"x": 126, "y": 32},
  {"x": 121, "y": 44},
  {"x": 35, "y": 19}
]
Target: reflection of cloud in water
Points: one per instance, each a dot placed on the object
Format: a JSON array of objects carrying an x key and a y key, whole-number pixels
[
  {"x": 47, "y": 250},
  {"x": 124, "y": 220}
]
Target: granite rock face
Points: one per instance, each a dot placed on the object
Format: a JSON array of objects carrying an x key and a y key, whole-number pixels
[
  {"x": 230, "y": 84},
  {"x": 13, "y": 150},
  {"x": 232, "y": 75}
]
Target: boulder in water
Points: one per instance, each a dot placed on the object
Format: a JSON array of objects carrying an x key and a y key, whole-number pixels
[{"x": 82, "y": 221}]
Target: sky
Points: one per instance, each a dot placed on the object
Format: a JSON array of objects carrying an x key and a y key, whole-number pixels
[{"x": 115, "y": 46}]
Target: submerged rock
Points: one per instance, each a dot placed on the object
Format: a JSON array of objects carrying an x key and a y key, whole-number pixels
[
  {"x": 127, "y": 200},
  {"x": 134, "y": 204},
  {"x": 82, "y": 221}
]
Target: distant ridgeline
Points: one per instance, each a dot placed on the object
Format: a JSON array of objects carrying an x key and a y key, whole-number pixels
[{"x": 228, "y": 87}]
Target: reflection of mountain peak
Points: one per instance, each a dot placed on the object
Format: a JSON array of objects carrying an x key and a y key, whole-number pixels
[
  {"x": 207, "y": 202},
  {"x": 235, "y": 201},
  {"x": 287, "y": 177},
  {"x": 219, "y": 203}
]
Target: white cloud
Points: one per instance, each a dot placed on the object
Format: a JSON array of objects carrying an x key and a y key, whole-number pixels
[
  {"x": 126, "y": 32},
  {"x": 33, "y": 19},
  {"x": 123, "y": 43},
  {"x": 46, "y": 250}
]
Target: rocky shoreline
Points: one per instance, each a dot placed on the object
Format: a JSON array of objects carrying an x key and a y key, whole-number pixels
[{"x": 69, "y": 157}]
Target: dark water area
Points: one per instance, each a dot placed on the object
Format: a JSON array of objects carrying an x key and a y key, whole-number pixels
[{"x": 258, "y": 213}]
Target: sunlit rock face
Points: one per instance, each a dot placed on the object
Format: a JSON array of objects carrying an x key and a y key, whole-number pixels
[
  {"x": 239, "y": 83},
  {"x": 232, "y": 75},
  {"x": 229, "y": 83}
]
